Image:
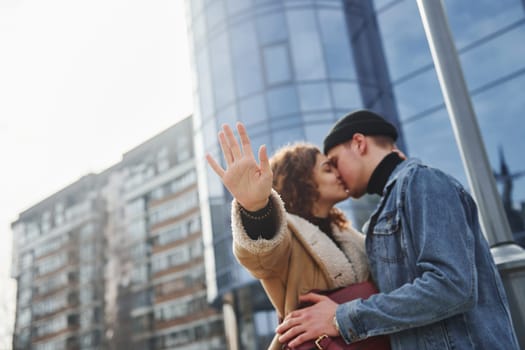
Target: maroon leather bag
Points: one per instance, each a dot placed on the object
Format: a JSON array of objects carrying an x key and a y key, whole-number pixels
[{"x": 341, "y": 295}]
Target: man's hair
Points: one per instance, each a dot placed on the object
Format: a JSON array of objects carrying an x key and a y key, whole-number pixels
[
  {"x": 383, "y": 141},
  {"x": 293, "y": 167}
]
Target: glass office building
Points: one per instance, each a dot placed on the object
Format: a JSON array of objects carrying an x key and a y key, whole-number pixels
[{"x": 289, "y": 68}]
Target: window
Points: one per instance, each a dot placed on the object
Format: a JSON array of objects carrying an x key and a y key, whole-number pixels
[
  {"x": 49, "y": 246},
  {"x": 135, "y": 208},
  {"x": 277, "y": 64},
  {"x": 78, "y": 210},
  {"x": 186, "y": 180},
  {"x": 206, "y": 102},
  {"x": 235, "y": 6},
  {"x": 282, "y": 101},
  {"x": 26, "y": 261},
  {"x": 336, "y": 45},
  {"x": 87, "y": 295},
  {"x": 221, "y": 71},
  {"x": 272, "y": 28},
  {"x": 346, "y": 96},
  {"x": 171, "y": 234},
  {"x": 247, "y": 69},
  {"x": 23, "y": 318},
  {"x": 45, "y": 223},
  {"x": 24, "y": 297},
  {"x": 282, "y": 136},
  {"x": 181, "y": 307},
  {"x": 252, "y": 110},
  {"x": 136, "y": 229},
  {"x": 50, "y": 305},
  {"x": 172, "y": 258},
  {"x": 87, "y": 231},
  {"x": 51, "y": 264},
  {"x": 307, "y": 54},
  {"x": 139, "y": 274},
  {"x": 214, "y": 13},
  {"x": 32, "y": 231},
  {"x": 174, "y": 208},
  {"x": 314, "y": 96},
  {"x": 139, "y": 251},
  {"x": 52, "y": 283},
  {"x": 87, "y": 273},
  {"x": 87, "y": 252},
  {"x": 51, "y": 326},
  {"x": 50, "y": 345}
]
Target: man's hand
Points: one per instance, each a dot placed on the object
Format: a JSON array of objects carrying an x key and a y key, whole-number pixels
[
  {"x": 249, "y": 183},
  {"x": 308, "y": 323}
]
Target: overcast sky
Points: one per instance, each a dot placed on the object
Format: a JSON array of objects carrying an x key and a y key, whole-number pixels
[{"x": 81, "y": 83}]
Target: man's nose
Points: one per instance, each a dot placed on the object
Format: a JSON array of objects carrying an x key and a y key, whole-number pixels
[{"x": 336, "y": 172}]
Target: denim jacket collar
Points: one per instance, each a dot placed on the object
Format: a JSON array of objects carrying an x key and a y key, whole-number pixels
[{"x": 398, "y": 171}]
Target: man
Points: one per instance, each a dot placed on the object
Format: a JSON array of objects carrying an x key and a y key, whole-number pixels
[{"x": 439, "y": 286}]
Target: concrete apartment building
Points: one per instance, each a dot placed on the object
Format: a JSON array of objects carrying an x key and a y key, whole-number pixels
[
  {"x": 115, "y": 260},
  {"x": 58, "y": 264}
]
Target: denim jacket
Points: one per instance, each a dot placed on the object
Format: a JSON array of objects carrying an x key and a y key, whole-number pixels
[{"x": 440, "y": 288}]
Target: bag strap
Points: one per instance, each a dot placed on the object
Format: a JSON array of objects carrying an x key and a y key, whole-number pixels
[{"x": 324, "y": 342}]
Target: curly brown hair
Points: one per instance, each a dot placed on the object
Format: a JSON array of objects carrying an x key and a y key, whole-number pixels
[{"x": 293, "y": 179}]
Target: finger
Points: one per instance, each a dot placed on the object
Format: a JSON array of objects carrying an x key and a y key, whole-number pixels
[
  {"x": 290, "y": 335},
  {"x": 284, "y": 326},
  {"x": 232, "y": 142},
  {"x": 215, "y": 166},
  {"x": 263, "y": 159},
  {"x": 246, "y": 146},
  {"x": 300, "y": 339},
  {"x": 226, "y": 151}
]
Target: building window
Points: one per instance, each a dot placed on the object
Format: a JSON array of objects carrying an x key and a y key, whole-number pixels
[
  {"x": 174, "y": 208},
  {"x": 277, "y": 64},
  {"x": 307, "y": 54},
  {"x": 221, "y": 71},
  {"x": 314, "y": 97},
  {"x": 247, "y": 69},
  {"x": 272, "y": 28},
  {"x": 282, "y": 101},
  {"x": 336, "y": 45},
  {"x": 51, "y": 264}
]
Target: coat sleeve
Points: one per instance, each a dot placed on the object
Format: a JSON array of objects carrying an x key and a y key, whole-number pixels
[{"x": 264, "y": 258}]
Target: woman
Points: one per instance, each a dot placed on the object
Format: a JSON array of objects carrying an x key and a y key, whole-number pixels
[{"x": 291, "y": 238}]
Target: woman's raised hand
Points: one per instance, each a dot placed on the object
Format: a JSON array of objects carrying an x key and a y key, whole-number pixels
[{"x": 248, "y": 182}]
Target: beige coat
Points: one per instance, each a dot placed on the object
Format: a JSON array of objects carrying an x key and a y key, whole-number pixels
[{"x": 299, "y": 258}]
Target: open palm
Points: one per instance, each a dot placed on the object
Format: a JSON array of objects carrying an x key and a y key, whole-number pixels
[{"x": 248, "y": 182}]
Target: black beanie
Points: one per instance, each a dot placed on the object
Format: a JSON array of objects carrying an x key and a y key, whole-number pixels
[{"x": 362, "y": 121}]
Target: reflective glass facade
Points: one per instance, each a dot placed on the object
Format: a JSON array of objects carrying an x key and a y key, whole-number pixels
[
  {"x": 289, "y": 68},
  {"x": 488, "y": 36}
]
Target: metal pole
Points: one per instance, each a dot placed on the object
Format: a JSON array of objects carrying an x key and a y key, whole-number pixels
[
  {"x": 509, "y": 257},
  {"x": 464, "y": 124}
]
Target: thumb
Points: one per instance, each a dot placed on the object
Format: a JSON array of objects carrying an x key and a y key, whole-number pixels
[{"x": 313, "y": 298}]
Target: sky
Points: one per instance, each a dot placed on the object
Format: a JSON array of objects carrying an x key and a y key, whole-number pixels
[{"x": 81, "y": 83}]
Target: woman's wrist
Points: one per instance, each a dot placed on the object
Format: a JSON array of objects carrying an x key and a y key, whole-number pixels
[{"x": 259, "y": 214}]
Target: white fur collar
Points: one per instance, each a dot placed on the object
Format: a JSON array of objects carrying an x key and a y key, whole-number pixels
[{"x": 340, "y": 265}]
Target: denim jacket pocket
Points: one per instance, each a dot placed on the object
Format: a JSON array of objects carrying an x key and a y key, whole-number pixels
[
  {"x": 387, "y": 240},
  {"x": 388, "y": 223}
]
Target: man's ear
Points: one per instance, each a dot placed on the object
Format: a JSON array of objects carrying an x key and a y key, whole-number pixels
[{"x": 361, "y": 143}]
